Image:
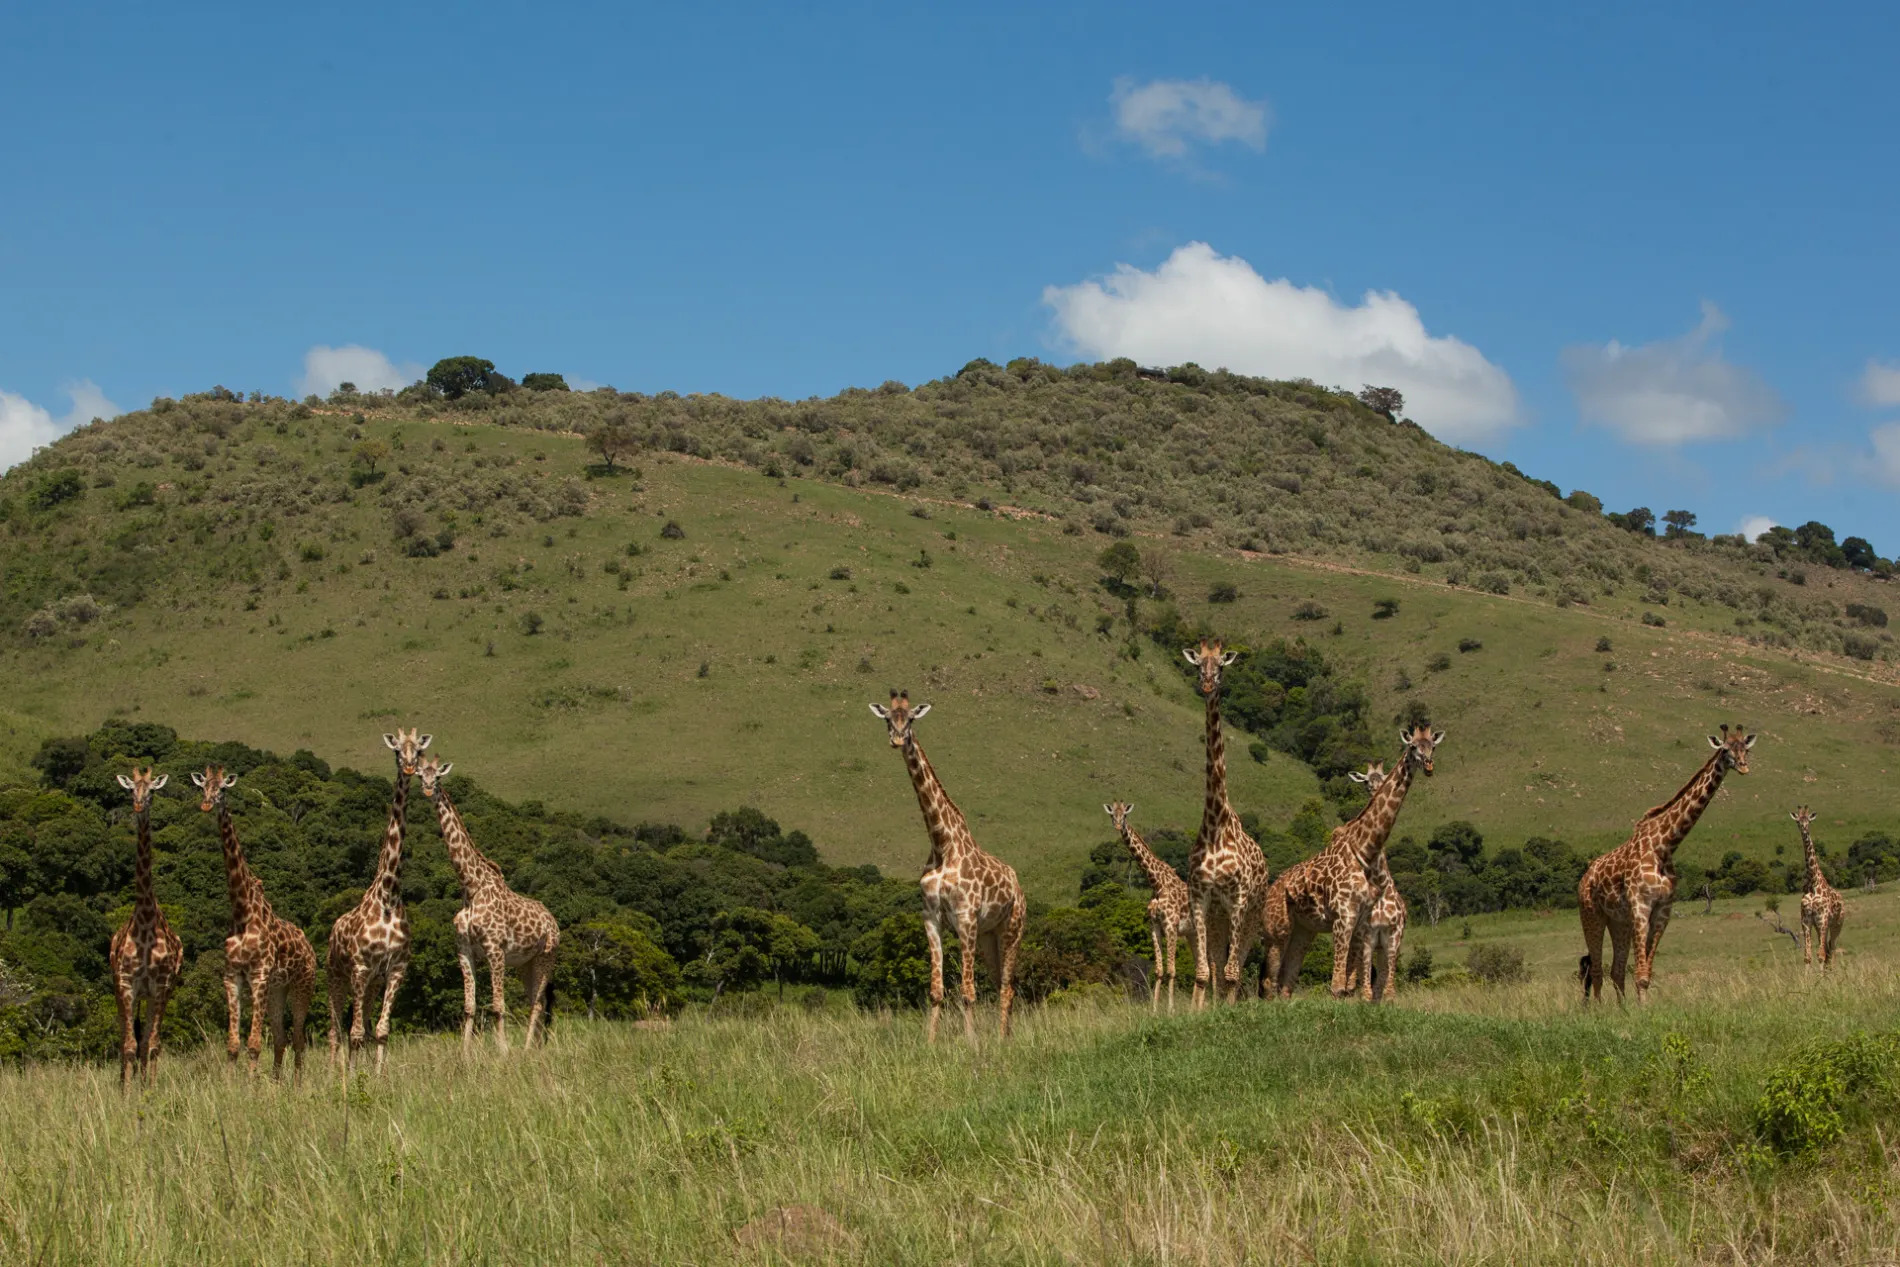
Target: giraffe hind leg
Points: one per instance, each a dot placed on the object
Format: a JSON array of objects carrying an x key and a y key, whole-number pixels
[
  {"x": 934, "y": 936},
  {"x": 1593, "y": 954},
  {"x": 1012, "y": 940}
]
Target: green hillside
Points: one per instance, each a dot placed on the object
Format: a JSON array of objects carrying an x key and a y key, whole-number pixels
[{"x": 262, "y": 571}]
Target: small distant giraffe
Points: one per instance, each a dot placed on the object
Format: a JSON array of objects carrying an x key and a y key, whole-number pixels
[
  {"x": 146, "y": 955},
  {"x": 1631, "y": 890},
  {"x": 1227, "y": 874},
  {"x": 1821, "y": 906},
  {"x": 1385, "y": 919},
  {"x": 371, "y": 941},
  {"x": 976, "y": 894},
  {"x": 496, "y": 925},
  {"x": 271, "y": 953},
  {"x": 1168, "y": 910},
  {"x": 1333, "y": 892}
]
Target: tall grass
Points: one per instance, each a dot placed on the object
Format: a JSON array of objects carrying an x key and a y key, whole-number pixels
[{"x": 1463, "y": 1125}]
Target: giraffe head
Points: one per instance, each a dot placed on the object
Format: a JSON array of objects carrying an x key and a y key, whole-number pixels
[
  {"x": 1420, "y": 741},
  {"x": 432, "y": 772},
  {"x": 899, "y": 717},
  {"x": 1803, "y": 816},
  {"x": 408, "y": 746},
  {"x": 142, "y": 785},
  {"x": 213, "y": 783},
  {"x": 1210, "y": 658},
  {"x": 1734, "y": 746},
  {"x": 1372, "y": 778},
  {"x": 1119, "y": 811}
]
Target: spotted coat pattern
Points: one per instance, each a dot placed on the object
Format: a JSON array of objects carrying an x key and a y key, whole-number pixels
[
  {"x": 1227, "y": 873},
  {"x": 146, "y": 955},
  {"x": 1821, "y": 906},
  {"x": 1385, "y": 920},
  {"x": 1169, "y": 912}
]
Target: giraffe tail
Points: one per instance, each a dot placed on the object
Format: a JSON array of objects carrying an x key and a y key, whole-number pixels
[
  {"x": 1583, "y": 971},
  {"x": 547, "y": 1004}
]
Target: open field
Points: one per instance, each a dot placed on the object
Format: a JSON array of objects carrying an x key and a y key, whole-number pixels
[{"x": 1465, "y": 1124}]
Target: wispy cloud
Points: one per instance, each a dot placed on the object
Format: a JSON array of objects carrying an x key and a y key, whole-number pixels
[
  {"x": 326, "y": 368},
  {"x": 1168, "y": 116},
  {"x": 24, "y": 426},
  {"x": 1673, "y": 391},
  {"x": 1880, "y": 385},
  {"x": 1217, "y": 311}
]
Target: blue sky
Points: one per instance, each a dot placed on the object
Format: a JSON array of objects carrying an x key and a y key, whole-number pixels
[{"x": 1652, "y": 254}]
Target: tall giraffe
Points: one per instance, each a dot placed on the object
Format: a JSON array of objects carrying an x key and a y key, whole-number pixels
[
  {"x": 271, "y": 953},
  {"x": 1168, "y": 910},
  {"x": 1821, "y": 906},
  {"x": 1332, "y": 892},
  {"x": 1227, "y": 874},
  {"x": 146, "y": 955},
  {"x": 496, "y": 925},
  {"x": 976, "y": 894},
  {"x": 371, "y": 942},
  {"x": 1378, "y": 951},
  {"x": 1631, "y": 889}
]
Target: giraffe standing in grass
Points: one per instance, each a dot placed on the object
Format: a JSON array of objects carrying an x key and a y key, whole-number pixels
[
  {"x": 974, "y": 893},
  {"x": 271, "y": 953},
  {"x": 1631, "y": 890},
  {"x": 1821, "y": 906},
  {"x": 496, "y": 925},
  {"x": 146, "y": 954},
  {"x": 370, "y": 943},
  {"x": 1378, "y": 950},
  {"x": 1227, "y": 874},
  {"x": 1168, "y": 910}
]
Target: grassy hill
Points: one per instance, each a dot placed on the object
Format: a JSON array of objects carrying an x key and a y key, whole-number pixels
[{"x": 255, "y": 570}]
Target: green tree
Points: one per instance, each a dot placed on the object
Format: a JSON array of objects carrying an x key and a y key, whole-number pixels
[
  {"x": 371, "y": 451},
  {"x": 1389, "y": 401},
  {"x": 1120, "y": 561},
  {"x": 1858, "y": 552},
  {"x": 619, "y": 969},
  {"x": 892, "y": 963},
  {"x": 749, "y": 947},
  {"x": 1679, "y": 521},
  {"x": 544, "y": 382},
  {"x": 613, "y": 439},
  {"x": 457, "y": 376}
]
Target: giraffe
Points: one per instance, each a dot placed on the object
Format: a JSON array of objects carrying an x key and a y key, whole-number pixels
[
  {"x": 1630, "y": 889},
  {"x": 1333, "y": 891},
  {"x": 496, "y": 925},
  {"x": 270, "y": 952},
  {"x": 1168, "y": 916},
  {"x": 1227, "y": 874},
  {"x": 146, "y": 955},
  {"x": 371, "y": 941},
  {"x": 973, "y": 892},
  {"x": 1821, "y": 907},
  {"x": 1385, "y": 920}
]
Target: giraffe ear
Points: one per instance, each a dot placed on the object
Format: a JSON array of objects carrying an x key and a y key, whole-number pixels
[
  {"x": 881, "y": 711},
  {"x": 1355, "y": 776},
  {"x": 1714, "y": 742},
  {"x": 1748, "y": 743},
  {"x": 422, "y": 741},
  {"x": 125, "y": 783},
  {"x": 390, "y": 742},
  {"x": 919, "y": 711},
  {"x": 443, "y": 769},
  {"x": 159, "y": 782},
  {"x": 1187, "y": 653},
  {"x": 1229, "y": 658},
  {"x": 230, "y": 780},
  {"x": 198, "y": 780},
  {"x": 1438, "y": 737}
]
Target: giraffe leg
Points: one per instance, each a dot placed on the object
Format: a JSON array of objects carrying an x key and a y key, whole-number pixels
[
  {"x": 299, "y": 1013},
  {"x": 128, "y": 1028},
  {"x": 279, "y": 1039},
  {"x": 539, "y": 969},
  {"x": 497, "y": 957},
  {"x": 260, "y": 1005},
  {"x": 1390, "y": 986},
  {"x": 359, "y": 1010},
  {"x": 1593, "y": 946},
  {"x": 1220, "y": 936},
  {"x": 233, "y": 1041},
  {"x": 1364, "y": 947},
  {"x": 1174, "y": 944},
  {"x": 966, "y": 992},
  {"x": 1648, "y": 937},
  {"x": 155, "y": 1016},
  {"x": 1827, "y": 945},
  {"x": 1807, "y": 950},
  {"x": 1198, "y": 916},
  {"x": 1292, "y": 958},
  {"x": 339, "y": 1009},
  {"x": 1012, "y": 939},
  {"x": 934, "y": 935},
  {"x": 1154, "y": 986},
  {"x": 391, "y": 982},
  {"x": 465, "y": 953},
  {"x": 1619, "y": 957}
]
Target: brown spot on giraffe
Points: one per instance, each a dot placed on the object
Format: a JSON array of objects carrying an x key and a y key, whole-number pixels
[
  {"x": 1822, "y": 909},
  {"x": 1169, "y": 911},
  {"x": 1334, "y": 891},
  {"x": 974, "y": 893},
  {"x": 496, "y": 925},
  {"x": 269, "y": 953},
  {"x": 1227, "y": 873},
  {"x": 369, "y": 944},
  {"x": 1378, "y": 950},
  {"x": 1631, "y": 890},
  {"x": 146, "y": 956}
]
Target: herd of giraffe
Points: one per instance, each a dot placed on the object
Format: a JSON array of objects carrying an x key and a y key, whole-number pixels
[
  {"x": 1226, "y": 904},
  {"x": 368, "y": 945}
]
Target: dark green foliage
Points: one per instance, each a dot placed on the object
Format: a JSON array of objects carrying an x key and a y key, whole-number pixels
[
  {"x": 457, "y": 376},
  {"x": 1309, "y": 610},
  {"x": 1653, "y": 620},
  {"x": 1641, "y": 521},
  {"x": 1867, "y": 614},
  {"x": 52, "y": 490},
  {"x": 893, "y": 963},
  {"x": 1418, "y": 965},
  {"x": 1858, "y": 552},
  {"x": 1497, "y": 963},
  {"x": 1876, "y": 854},
  {"x": 1603, "y": 643},
  {"x": 1470, "y": 644},
  {"x": 1119, "y": 562},
  {"x": 1679, "y": 523},
  {"x": 1385, "y": 608},
  {"x": 671, "y": 531},
  {"x": 1806, "y": 1104},
  {"x": 1225, "y": 592},
  {"x": 1067, "y": 947},
  {"x": 544, "y": 382}
]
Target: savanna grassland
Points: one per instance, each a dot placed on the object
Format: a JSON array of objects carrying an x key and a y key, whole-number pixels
[{"x": 1746, "y": 1116}]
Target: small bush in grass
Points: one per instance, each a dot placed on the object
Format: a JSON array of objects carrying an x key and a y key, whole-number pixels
[
  {"x": 1497, "y": 963},
  {"x": 532, "y": 623},
  {"x": 1223, "y": 593},
  {"x": 1804, "y": 1103},
  {"x": 1418, "y": 965},
  {"x": 1470, "y": 644},
  {"x": 841, "y": 574},
  {"x": 1653, "y": 620},
  {"x": 1385, "y": 608},
  {"x": 1493, "y": 583},
  {"x": 672, "y": 531},
  {"x": 1603, "y": 643},
  {"x": 1309, "y": 610},
  {"x": 1438, "y": 663}
]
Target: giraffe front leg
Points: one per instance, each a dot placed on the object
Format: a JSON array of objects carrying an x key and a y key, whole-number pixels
[
  {"x": 966, "y": 990},
  {"x": 1345, "y": 933},
  {"x": 1807, "y": 950},
  {"x": 155, "y": 1017},
  {"x": 1154, "y": 987},
  {"x": 260, "y": 1004},
  {"x": 299, "y": 1014},
  {"x": 934, "y": 935},
  {"x": 497, "y": 956},
  {"x": 391, "y": 983},
  {"x": 338, "y": 991},
  {"x": 279, "y": 1038},
  {"x": 465, "y": 954},
  {"x": 234, "y": 1041},
  {"x": 1198, "y": 915},
  {"x": 359, "y": 1011},
  {"x": 1592, "y": 947},
  {"x": 128, "y": 1028},
  {"x": 537, "y": 974},
  {"x": 1174, "y": 943},
  {"x": 1012, "y": 938},
  {"x": 1389, "y": 988}
]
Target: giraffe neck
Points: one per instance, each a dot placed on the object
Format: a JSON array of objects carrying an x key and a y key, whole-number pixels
[
  {"x": 1158, "y": 871},
  {"x": 1364, "y": 837},
  {"x": 387, "y": 886},
  {"x": 1214, "y": 808},
  {"x": 476, "y": 872},
  {"x": 941, "y": 816},
  {"x": 1682, "y": 810},
  {"x": 1814, "y": 858},
  {"x": 247, "y": 895},
  {"x": 145, "y": 899}
]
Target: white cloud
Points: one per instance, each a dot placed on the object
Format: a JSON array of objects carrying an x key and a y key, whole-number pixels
[
  {"x": 1672, "y": 391},
  {"x": 1166, "y": 116},
  {"x": 1753, "y": 526},
  {"x": 583, "y": 385},
  {"x": 1217, "y": 311},
  {"x": 24, "y": 426},
  {"x": 1880, "y": 384},
  {"x": 325, "y": 368},
  {"x": 1886, "y": 464}
]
